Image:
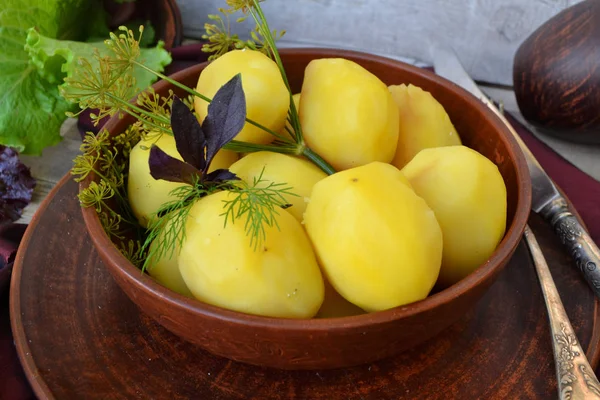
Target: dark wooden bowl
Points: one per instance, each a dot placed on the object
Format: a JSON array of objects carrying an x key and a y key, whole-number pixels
[
  {"x": 348, "y": 341},
  {"x": 556, "y": 75}
]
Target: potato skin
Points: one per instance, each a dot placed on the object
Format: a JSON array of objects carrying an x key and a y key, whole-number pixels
[
  {"x": 267, "y": 97},
  {"x": 218, "y": 264},
  {"x": 347, "y": 114},
  {"x": 423, "y": 123},
  {"x": 468, "y": 195},
  {"x": 146, "y": 194},
  {"x": 378, "y": 243},
  {"x": 301, "y": 175}
]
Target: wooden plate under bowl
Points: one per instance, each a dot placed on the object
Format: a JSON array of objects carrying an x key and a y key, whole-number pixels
[{"x": 80, "y": 337}]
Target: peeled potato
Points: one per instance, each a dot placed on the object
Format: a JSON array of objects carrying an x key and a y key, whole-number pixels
[
  {"x": 378, "y": 243},
  {"x": 299, "y": 174},
  {"x": 146, "y": 194},
  {"x": 468, "y": 195},
  {"x": 335, "y": 306},
  {"x": 347, "y": 114},
  {"x": 166, "y": 270},
  {"x": 423, "y": 123},
  {"x": 218, "y": 264},
  {"x": 267, "y": 97}
]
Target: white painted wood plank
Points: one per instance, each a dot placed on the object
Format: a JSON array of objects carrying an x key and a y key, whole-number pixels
[{"x": 484, "y": 33}]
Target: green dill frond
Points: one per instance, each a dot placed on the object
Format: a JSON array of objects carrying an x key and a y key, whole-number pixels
[
  {"x": 111, "y": 224},
  {"x": 128, "y": 139},
  {"x": 95, "y": 195},
  {"x": 159, "y": 108},
  {"x": 189, "y": 101},
  {"x": 93, "y": 143},
  {"x": 243, "y": 5},
  {"x": 166, "y": 230},
  {"x": 259, "y": 203},
  {"x": 83, "y": 165},
  {"x": 133, "y": 252},
  {"x": 219, "y": 37},
  {"x": 125, "y": 47}
]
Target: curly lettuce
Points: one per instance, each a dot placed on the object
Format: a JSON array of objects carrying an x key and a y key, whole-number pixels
[{"x": 39, "y": 40}]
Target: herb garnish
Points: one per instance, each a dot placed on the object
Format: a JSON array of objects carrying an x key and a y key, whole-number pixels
[{"x": 105, "y": 83}]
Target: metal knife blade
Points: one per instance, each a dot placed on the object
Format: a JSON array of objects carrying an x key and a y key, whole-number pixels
[
  {"x": 546, "y": 199},
  {"x": 447, "y": 65}
]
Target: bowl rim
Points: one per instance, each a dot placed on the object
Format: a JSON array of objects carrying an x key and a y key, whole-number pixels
[{"x": 505, "y": 248}]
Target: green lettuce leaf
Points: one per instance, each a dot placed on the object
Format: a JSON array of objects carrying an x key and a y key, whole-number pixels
[
  {"x": 55, "y": 59},
  {"x": 31, "y": 108}
]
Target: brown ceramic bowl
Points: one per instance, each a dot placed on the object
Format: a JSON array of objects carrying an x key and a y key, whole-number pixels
[{"x": 348, "y": 341}]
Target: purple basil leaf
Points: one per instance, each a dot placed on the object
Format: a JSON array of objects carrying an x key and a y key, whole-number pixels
[
  {"x": 16, "y": 185},
  {"x": 163, "y": 166},
  {"x": 226, "y": 116},
  {"x": 220, "y": 175},
  {"x": 188, "y": 134}
]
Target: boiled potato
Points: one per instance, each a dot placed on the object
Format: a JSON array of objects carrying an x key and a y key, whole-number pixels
[
  {"x": 335, "y": 306},
  {"x": 468, "y": 195},
  {"x": 301, "y": 175},
  {"x": 347, "y": 114},
  {"x": 146, "y": 194},
  {"x": 219, "y": 265},
  {"x": 423, "y": 123},
  {"x": 267, "y": 97},
  {"x": 166, "y": 269},
  {"x": 379, "y": 244}
]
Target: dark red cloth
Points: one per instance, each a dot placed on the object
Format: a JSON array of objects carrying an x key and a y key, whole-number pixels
[{"x": 582, "y": 190}]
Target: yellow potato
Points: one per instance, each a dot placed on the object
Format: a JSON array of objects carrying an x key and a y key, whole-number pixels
[
  {"x": 423, "y": 123},
  {"x": 301, "y": 175},
  {"x": 267, "y": 97},
  {"x": 378, "y": 243},
  {"x": 347, "y": 114},
  {"x": 147, "y": 194},
  {"x": 468, "y": 195},
  {"x": 218, "y": 264},
  {"x": 166, "y": 270},
  {"x": 335, "y": 306}
]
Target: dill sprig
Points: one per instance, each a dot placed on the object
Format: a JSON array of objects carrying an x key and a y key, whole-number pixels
[
  {"x": 221, "y": 40},
  {"x": 166, "y": 229},
  {"x": 259, "y": 203},
  {"x": 107, "y": 83},
  {"x": 106, "y": 157}
]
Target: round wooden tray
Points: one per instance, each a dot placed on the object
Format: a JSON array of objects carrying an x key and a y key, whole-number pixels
[{"x": 79, "y": 336}]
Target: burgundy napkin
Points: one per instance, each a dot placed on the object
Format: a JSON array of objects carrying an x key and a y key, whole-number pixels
[{"x": 582, "y": 190}]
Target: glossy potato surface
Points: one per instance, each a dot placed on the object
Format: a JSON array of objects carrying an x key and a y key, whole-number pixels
[
  {"x": 298, "y": 174},
  {"x": 267, "y": 98},
  {"x": 347, "y": 114},
  {"x": 423, "y": 123},
  {"x": 281, "y": 278},
  {"x": 378, "y": 243},
  {"x": 468, "y": 195}
]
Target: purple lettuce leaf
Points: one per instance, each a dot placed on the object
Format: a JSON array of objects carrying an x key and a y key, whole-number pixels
[
  {"x": 188, "y": 135},
  {"x": 163, "y": 166},
  {"x": 16, "y": 186},
  {"x": 221, "y": 175},
  {"x": 226, "y": 116}
]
